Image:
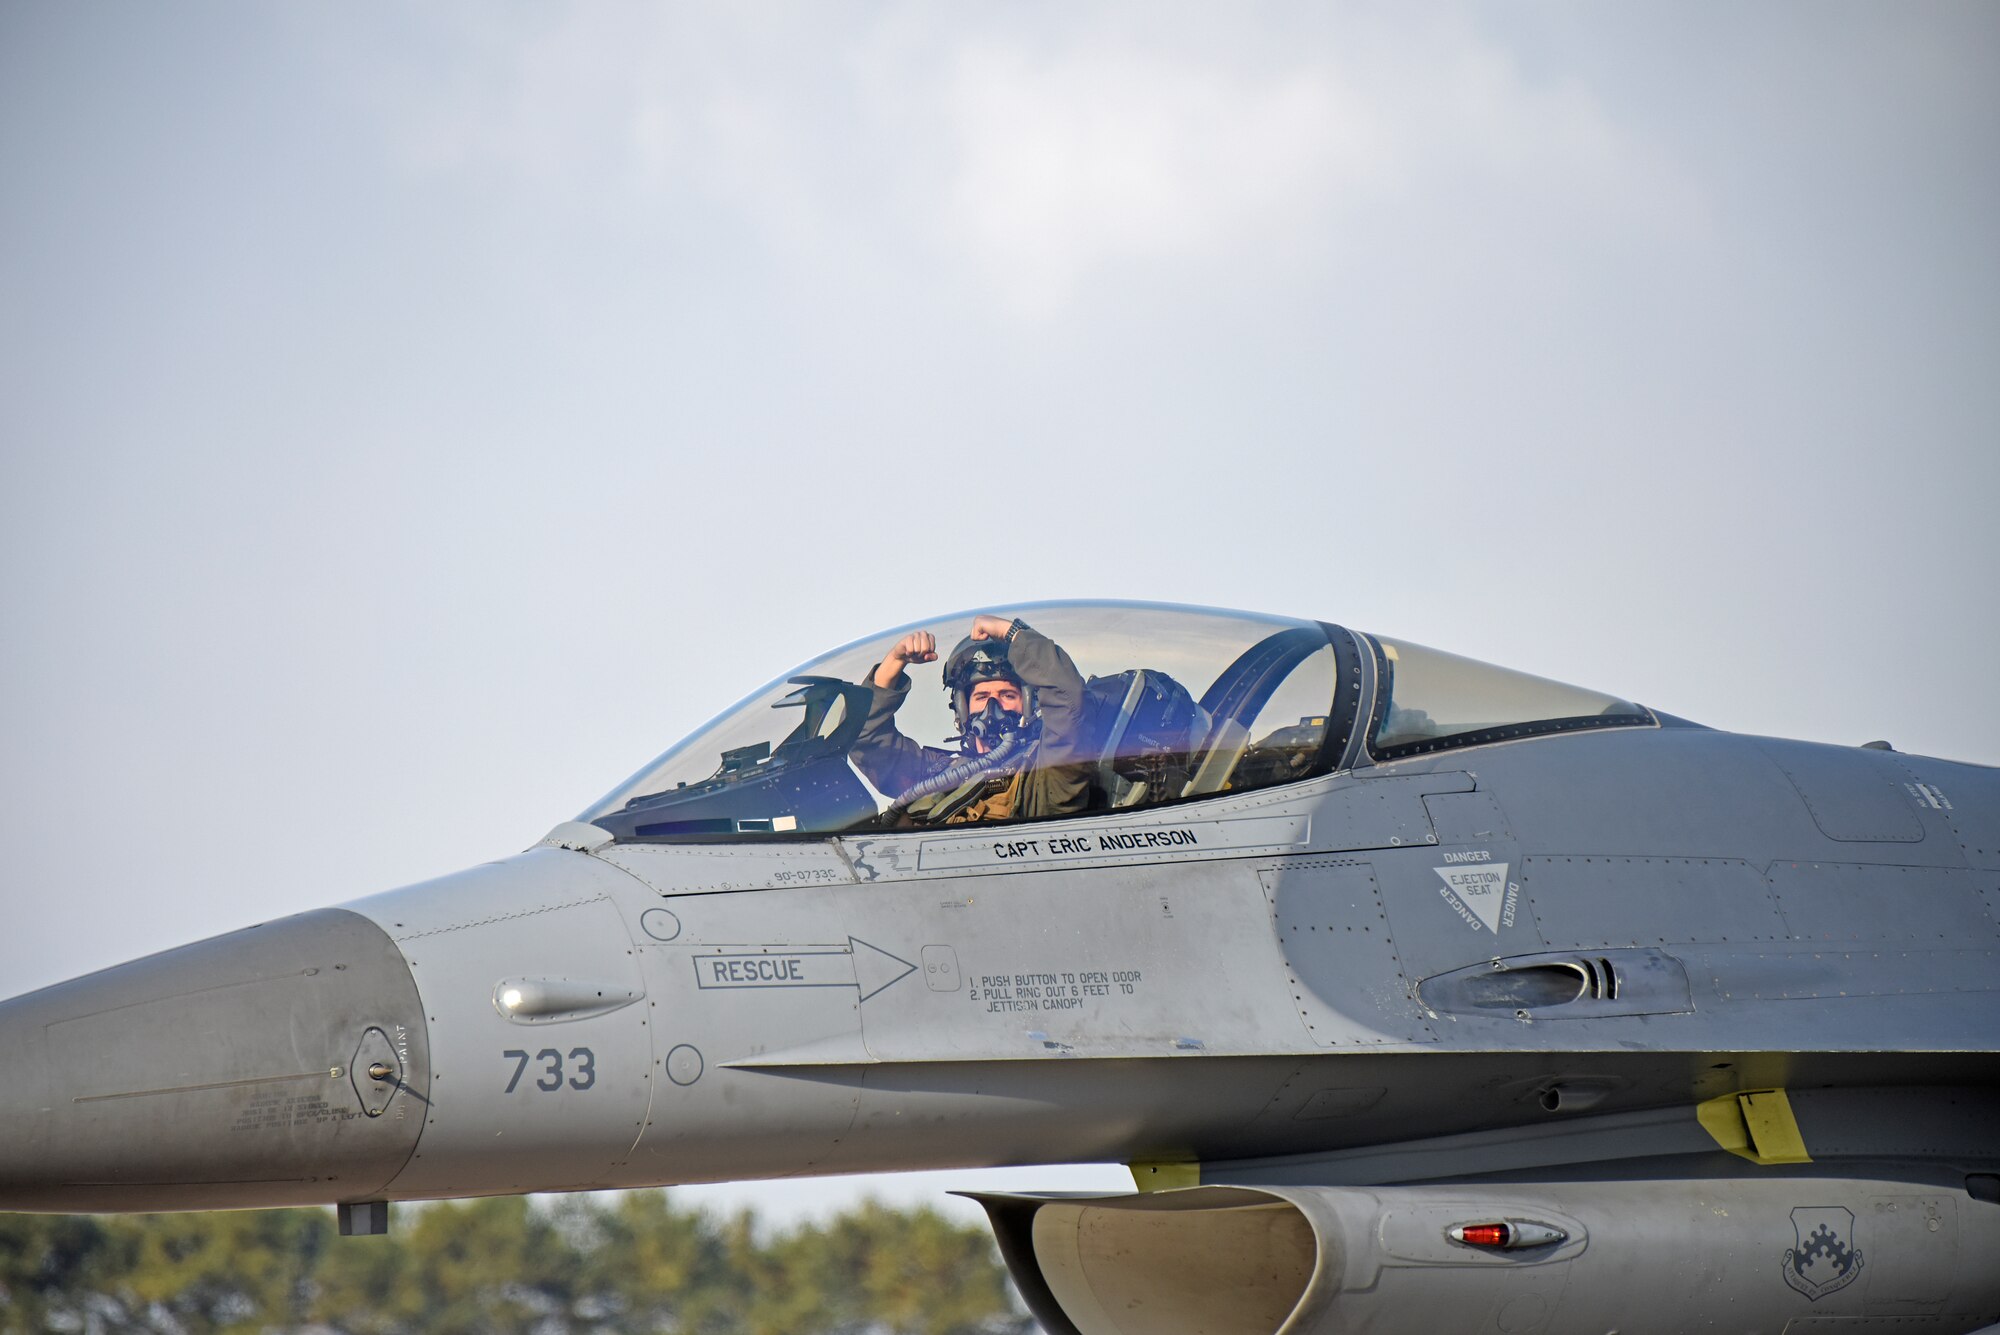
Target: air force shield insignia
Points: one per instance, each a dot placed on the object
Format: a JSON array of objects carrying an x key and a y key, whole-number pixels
[{"x": 1826, "y": 1259}]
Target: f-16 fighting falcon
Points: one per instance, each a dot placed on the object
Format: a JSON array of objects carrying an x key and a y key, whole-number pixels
[{"x": 1420, "y": 994}]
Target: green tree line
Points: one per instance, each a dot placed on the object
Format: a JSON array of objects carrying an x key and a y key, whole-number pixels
[{"x": 573, "y": 1265}]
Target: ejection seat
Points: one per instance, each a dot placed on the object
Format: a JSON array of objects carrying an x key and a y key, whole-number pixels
[{"x": 1147, "y": 724}]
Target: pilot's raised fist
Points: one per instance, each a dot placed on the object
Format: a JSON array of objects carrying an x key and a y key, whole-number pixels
[
  {"x": 919, "y": 646},
  {"x": 988, "y": 627}
]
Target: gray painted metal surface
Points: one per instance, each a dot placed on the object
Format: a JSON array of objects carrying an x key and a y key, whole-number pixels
[
  {"x": 231, "y": 1072},
  {"x": 1619, "y": 1256},
  {"x": 1545, "y": 979}
]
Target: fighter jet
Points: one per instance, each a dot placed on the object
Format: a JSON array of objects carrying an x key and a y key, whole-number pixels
[{"x": 1420, "y": 994}]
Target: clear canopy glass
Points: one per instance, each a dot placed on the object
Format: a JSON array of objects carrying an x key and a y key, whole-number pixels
[
  {"x": 1432, "y": 700},
  {"x": 1119, "y": 706}
]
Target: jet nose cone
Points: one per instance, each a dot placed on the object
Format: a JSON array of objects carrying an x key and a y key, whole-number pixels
[{"x": 284, "y": 1064}]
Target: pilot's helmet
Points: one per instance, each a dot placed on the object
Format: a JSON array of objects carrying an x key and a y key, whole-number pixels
[{"x": 972, "y": 662}]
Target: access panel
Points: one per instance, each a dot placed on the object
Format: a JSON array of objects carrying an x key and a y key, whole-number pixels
[{"x": 1341, "y": 963}]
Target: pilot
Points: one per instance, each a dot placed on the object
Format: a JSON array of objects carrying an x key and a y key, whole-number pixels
[{"x": 1019, "y": 702}]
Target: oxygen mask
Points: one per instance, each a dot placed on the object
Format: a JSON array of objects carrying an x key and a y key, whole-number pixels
[{"x": 991, "y": 726}]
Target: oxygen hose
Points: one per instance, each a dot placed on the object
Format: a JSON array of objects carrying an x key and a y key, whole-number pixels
[{"x": 960, "y": 772}]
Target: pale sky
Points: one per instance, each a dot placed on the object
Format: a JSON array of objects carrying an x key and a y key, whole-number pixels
[{"x": 415, "y": 417}]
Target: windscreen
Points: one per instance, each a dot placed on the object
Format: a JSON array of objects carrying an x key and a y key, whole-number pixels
[
  {"x": 1433, "y": 700},
  {"x": 1027, "y": 713}
]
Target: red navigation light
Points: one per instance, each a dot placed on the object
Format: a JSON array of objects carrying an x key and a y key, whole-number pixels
[
  {"x": 1511, "y": 1235},
  {"x": 1483, "y": 1235}
]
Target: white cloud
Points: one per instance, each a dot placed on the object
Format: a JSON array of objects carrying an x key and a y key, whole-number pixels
[
  {"x": 1305, "y": 151},
  {"x": 1035, "y": 155},
  {"x": 1109, "y": 157}
]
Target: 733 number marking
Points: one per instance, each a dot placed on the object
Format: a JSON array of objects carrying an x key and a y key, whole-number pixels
[{"x": 549, "y": 1069}]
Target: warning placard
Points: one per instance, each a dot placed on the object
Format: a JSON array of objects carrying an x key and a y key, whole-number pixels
[{"x": 1477, "y": 892}]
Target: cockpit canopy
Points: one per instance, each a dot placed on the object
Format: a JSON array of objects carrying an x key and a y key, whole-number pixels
[{"x": 1124, "y": 706}]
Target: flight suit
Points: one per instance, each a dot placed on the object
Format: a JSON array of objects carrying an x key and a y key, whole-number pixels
[{"x": 1053, "y": 781}]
